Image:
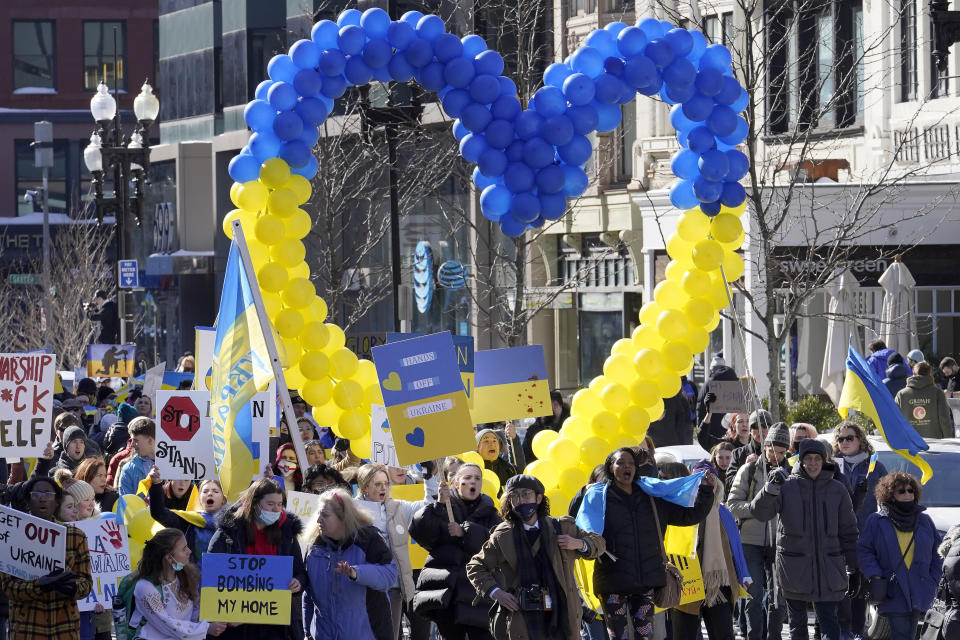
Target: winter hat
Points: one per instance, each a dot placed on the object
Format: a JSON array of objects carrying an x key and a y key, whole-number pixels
[
  {"x": 126, "y": 412},
  {"x": 813, "y": 446},
  {"x": 761, "y": 418},
  {"x": 484, "y": 432},
  {"x": 523, "y": 481},
  {"x": 895, "y": 358},
  {"x": 80, "y": 490},
  {"x": 73, "y": 433},
  {"x": 916, "y": 355},
  {"x": 778, "y": 435},
  {"x": 87, "y": 387},
  {"x": 107, "y": 421},
  {"x": 704, "y": 465},
  {"x": 718, "y": 360}
]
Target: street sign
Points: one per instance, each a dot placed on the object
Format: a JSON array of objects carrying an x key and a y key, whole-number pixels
[
  {"x": 129, "y": 274},
  {"x": 24, "y": 278}
]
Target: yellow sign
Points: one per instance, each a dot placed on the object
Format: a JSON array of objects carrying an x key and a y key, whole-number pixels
[{"x": 411, "y": 492}]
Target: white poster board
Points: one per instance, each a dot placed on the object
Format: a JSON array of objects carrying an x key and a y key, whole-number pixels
[
  {"x": 731, "y": 397},
  {"x": 382, "y": 450},
  {"x": 304, "y": 505},
  {"x": 203, "y": 360},
  {"x": 30, "y": 547},
  {"x": 184, "y": 436},
  {"x": 152, "y": 383},
  {"x": 26, "y": 403},
  {"x": 109, "y": 560}
]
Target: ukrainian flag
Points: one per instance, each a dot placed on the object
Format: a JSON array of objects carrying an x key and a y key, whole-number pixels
[
  {"x": 241, "y": 367},
  {"x": 864, "y": 393}
]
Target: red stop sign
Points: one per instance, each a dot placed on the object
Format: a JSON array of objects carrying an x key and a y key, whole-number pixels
[{"x": 180, "y": 418}]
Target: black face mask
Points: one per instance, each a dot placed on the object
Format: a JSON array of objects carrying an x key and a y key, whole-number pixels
[{"x": 525, "y": 511}]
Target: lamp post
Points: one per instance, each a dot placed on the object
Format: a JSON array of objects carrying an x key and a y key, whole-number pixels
[{"x": 129, "y": 159}]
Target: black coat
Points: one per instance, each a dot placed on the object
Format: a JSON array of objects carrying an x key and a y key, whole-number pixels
[
  {"x": 713, "y": 431},
  {"x": 674, "y": 427},
  {"x": 544, "y": 422},
  {"x": 740, "y": 455},
  {"x": 632, "y": 537},
  {"x": 443, "y": 583}
]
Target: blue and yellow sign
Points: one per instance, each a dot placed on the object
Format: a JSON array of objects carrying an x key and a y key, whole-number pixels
[
  {"x": 115, "y": 360},
  {"x": 511, "y": 383},
  {"x": 465, "y": 358},
  {"x": 241, "y": 588}
]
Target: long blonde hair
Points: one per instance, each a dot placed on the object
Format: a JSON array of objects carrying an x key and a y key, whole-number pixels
[{"x": 343, "y": 506}]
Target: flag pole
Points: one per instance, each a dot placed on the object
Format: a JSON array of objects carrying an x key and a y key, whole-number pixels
[{"x": 271, "y": 345}]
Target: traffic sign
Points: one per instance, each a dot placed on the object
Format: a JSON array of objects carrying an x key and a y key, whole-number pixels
[
  {"x": 129, "y": 274},
  {"x": 24, "y": 278}
]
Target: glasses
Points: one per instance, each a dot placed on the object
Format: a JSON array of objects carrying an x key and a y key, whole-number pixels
[
  {"x": 320, "y": 487},
  {"x": 843, "y": 439},
  {"x": 42, "y": 495},
  {"x": 379, "y": 485},
  {"x": 904, "y": 490}
]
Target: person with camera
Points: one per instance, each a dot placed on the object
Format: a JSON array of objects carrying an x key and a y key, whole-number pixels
[
  {"x": 104, "y": 310},
  {"x": 526, "y": 566}
]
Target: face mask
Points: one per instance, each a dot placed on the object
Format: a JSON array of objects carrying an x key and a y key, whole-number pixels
[
  {"x": 269, "y": 517},
  {"x": 525, "y": 511},
  {"x": 177, "y": 566},
  {"x": 287, "y": 468}
]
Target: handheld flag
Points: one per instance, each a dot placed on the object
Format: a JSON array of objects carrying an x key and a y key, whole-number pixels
[
  {"x": 681, "y": 491},
  {"x": 864, "y": 393},
  {"x": 873, "y": 463},
  {"x": 241, "y": 367}
]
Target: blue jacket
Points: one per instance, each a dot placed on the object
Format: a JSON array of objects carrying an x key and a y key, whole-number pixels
[
  {"x": 896, "y": 378},
  {"x": 851, "y": 477},
  {"x": 878, "y": 362},
  {"x": 879, "y": 554},
  {"x": 335, "y": 607},
  {"x": 132, "y": 473}
]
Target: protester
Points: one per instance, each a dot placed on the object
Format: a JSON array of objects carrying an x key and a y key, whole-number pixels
[
  {"x": 67, "y": 507},
  {"x": 738, "y": 431},
  {"x": 913, "y": 357},
  {"x": 528, "y": 558},
  {"x": 896, "y": 375},
  {"x": 674, "y": 426},
  {"x": 258, "y": 525},
  {"x": 444, "y": 594},
  {"x": 83, "y": 493},
  {"x": 96, "y": 624},
  {"x": 924, "y": 405},
  {"x": 448, "y": 468},
  {"x": 45, "y": 608},
  {"x": 800, "y": 431},
  {"x": 948, "y": 593},
  {"x": 288, "y": 467},
  {"x": 711, "y": 429},
  {"x": 898, "y": 551},
  {"x": 347, "y": 564},
  {"x": 760, "y": 421},
  {"x": 321, "y": 477},
  {"x": 315, "y": 452},
  {"x": 143, "y": 434},
  {"x": 104, "y": 311},
  {"x": 60, "y": 425},
  {"x": 553, "y": 422},
  {"x": 166, "y": 594},
  {"x": 94, "y": 472},
  {"x": 74, "y": 447},
  {"x": 720, "y": 458},
  {"x": 343, "y": 457},
  {"x": 879, "y": 354},
  {"x": 951, "y": 374},
  {"x": 489, "y": 448},
  {"x": 816, "y": 539},
  {"x": 199, "y": 530}
]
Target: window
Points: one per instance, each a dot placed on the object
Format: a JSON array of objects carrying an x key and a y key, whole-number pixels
[
  {"x": 626, "y": 136},
  {"x": 262, "y": 44},
  {"x": 33, "y": 55},
  {"x": 29, "y": 176},
  {"x": 939, "y": 80},
  {"x": 938, "y": 320},
  {"x": 719, "y": 28},
  {"x": 908, "y": 50},
  {"x": 104, "y": 54}
]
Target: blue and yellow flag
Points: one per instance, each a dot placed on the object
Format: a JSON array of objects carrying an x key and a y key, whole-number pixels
[
  {"x": 864, "y": 393},
  {"x": 241, "y": 367},
  {"x": 593, "y": 508}
]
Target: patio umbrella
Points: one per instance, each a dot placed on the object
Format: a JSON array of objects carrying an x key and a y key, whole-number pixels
[
  {"x": 898, "y": 324},
  {"x": 842, "y": 288}
]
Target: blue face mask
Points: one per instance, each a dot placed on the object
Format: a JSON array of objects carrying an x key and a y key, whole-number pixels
[
  {"x": 525, "y": 511},
  {"x": 177, "y": 566},
  {"x": 269, "y": 517}
]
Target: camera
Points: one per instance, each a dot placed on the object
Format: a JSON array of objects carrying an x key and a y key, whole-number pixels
[{"x": 534, "y": 598}]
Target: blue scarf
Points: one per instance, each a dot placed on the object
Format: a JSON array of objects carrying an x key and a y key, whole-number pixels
[{"x": 681, "y": 491}]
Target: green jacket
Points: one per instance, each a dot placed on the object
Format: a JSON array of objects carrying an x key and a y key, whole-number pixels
[{"x": 925, "y": 407}]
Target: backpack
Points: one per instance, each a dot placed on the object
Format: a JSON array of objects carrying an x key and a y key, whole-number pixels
[{"x": 125, "y": 594}]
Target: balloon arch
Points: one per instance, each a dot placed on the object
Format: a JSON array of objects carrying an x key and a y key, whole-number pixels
[{"x": 529, "y": 162}]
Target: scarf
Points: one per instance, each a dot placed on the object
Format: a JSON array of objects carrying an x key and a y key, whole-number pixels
[
  {"x": 536, "y": 568},
  {"x": 849, "y": 462},
  {"x": 713, "y": 562},
  {"x": 903, "y": 515}
]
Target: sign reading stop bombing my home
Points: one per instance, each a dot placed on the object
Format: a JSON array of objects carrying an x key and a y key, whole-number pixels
[{"x": 242, "y": 588}]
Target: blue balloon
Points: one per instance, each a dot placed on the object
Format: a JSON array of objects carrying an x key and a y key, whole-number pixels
[
  {"x": 507, "y": 86},
  {"x": 377, "y": 53},
  {"x": 604, "y": 42},
  {"x": 677, "y": 95},
  {"x": 710, "y": 82},
  {"x": 492, "y": 162},
  {"x": 351, "y": 39},
  {"x": 495, "y": 201},
  {"x": 511, "y": 227},
  {"x": 525, "y": 207},
  {"x": 334, "y": 87},
  {"x": 325, "y": 34},
  {"x": 699, "y": 45},
  {"x": 489, "y": 62},
  {"x": 308, "y": 170},
  {"x": 447, "y": 47},
  {"x": 739, "y": 134},
  {"x": 400, "y": 70},
  {"x": 258, "y": 114},
  {"x": 332, "y": 62},
  {"x": 264, "y": 146},
  {"x": 550, "y": 179},
  {"x": 678, "y": 120},
  {"x": 418, "y": 53},
  {"x": 710, "y": 208},
  {"x": 454, "y": 102},
  {"x": 588, "y": 61},
  {"x": 375, "y": 22},
  {"x": 706, "y": 190},
  {"x": 312, "y": 111},
  {"x": 295, "y": 153},
  {"x": 615, "y": 28},
  {"x": 310, "y": 135},
  {"x": 308, "y": 82},
  {"x": 552, "y": 205},
  {"x": 548, "y": 101},
  {"x": 654, "y": 88},
  {"x": 287, "y": 125},
  {"x": 682, "y": 196},
  {"x": 459, "y": 131},
  {"x": 282, "y": 96},
  {"x": 528, "y": 124},
  {"x": 281, "y": 68},
  {"x": 506, "y": 107},
  {"x": 558, "y": 130},
  {"x": 714, "y": 165},
  {"x": 584, "y": 119},
  {"x": 357, "y": 72},
  {"x": 481, "y": 180},
  {"x": 349, "y": 17},
  {"x": 700, "y": 140},
  {"x": 733, "y": 194},
  {"x": 458, "y": 72},
  {"x": 476, "y": 117},
  {"x": 739, "y": 165},
  {"x": 717, "y": 57},
  {"x": 514, "y": 151},
  {"x": 412, "y": 18},
  {"x": 518, "y": 177},
  {"x": 260, "y": 93},
  {"x": 608, "y": 88},
  {"x": 722, "y": 121},
  {"x": 556, "y": 74},
  {"x": 382, "y": 74},
  {"x": 608, "y": 116},
  {"x": 651, "y": 28},
  {"x": 729, "y": 90},
  {"x": 577, "y": 151},
  {"x": 631, "y": 42},
  {"x": 578, "y": 89},
  {"x": 244, "y": 168},
  {"x": 305, "y": 54},
  {"x": 484, "y": 88},
  {"x": 472, "y": 146},
  {"x": 679, "y": 73},
  {"x": 640, "y": 72},
  {"x": 698, "y": 108},
  {"x": 472, "y": 45},
  {"x": 741, "y": 102},
  {"x": 680, "y": 40},
  {"x": 431, "y": 76},
  {"x": 660, "y": 51},
  {"x": 499, "y": 133},
  {"x": 684, "y": 164},
  {"x": 400, "y": 34},
  {"x": 614, "y": 66},
  {"x": 537, "y": 153},
  {"x": 430, "y": 27},
  {"x": 575, "y": 181}
]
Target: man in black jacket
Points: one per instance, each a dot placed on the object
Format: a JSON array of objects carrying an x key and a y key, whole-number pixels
[
  {"x": 711, "y": 427},
  {"x": 106, "y": 314},
  {"x": 674, "y": 427},
  {"x": 760, "y": 422}
]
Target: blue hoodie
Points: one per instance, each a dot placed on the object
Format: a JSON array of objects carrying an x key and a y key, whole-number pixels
[{"x": 896, "y": 379}]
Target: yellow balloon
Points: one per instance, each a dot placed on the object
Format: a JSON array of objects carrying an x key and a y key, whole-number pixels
[
  {"x": 737, "y": 210},
  {"x": 252, "y": 196},
  {"x": 696, "y": 283},
  {"x": 622, "y": 440},
  {"x": 472, "y": 457},
  {"x": 315, "y": 365},
  {"x": 247, "y": 220},
  {"x": 490, "y": 476},
  {"x": 649, "y": 313},
  {"x": 707, "y": 255},
  {"x": 288, "y": 323},
  {"x": 318, "y": 312},
  {"x": 563, "y": 452},
  {"x": 674, "y": 271},
  {"x": 363, "y": 445},
  {"x": 317, "y": 392},
  {"x": 234, "y": 193},
  {"x": 132, "y": 504},
  {"x": 585, "y": 403},
  {"x": 348, "y": 394},
  {"x": 693, "y": 226},
  {"x": 725, "y": 227},
  {"x": 571, "y": 480},
  {"x": 677, "y": 357},
  {"x": 297, "y": 225},
  {"x": 697, "y": 340},
  {"x": 136, "y": 551},
  {"x": 337, "y": 337},
  {"x": 646, "y": 337},
  {"x": 298, "y": 293},
  {"x": 669, "y": 385},
  {"x": 366, "y": 372},
  {"x": 649, "y": 363},
  {"x": 669, "y": 294},
  {"x": 615, "y": 397},
  {"x": 274, "y": 173},
  {"x": 289, "y": 253},
  {"x": 300, "y": 270},
  {"x": 487, "y": 488},
  {"x": 140, "y": 526},
  {"x": 268, "y": 230},
  {"x": 300, "y": 187},
  {"x": 351, "y": 426},
  {"x": 577, "y": 428},
  {"x": 327, "y": 415},
  {"x": 291, "y": 349},
  {"x": 699, "y": 311},
  {"x": 344, "y": 363},
  {"x": 735, "y": 244},
  {"x": 282, "y": 202},
  {"x": 604, "y": 422},
  {"x": 597, "y": 384},
  {"x": 644, "y": 393},
  {"x": 314, "y": 336},
  {"x": 594, "y": 450},
  {"x": 732, "y": 266},
  {"x": 272, "y": 303},
  {"x": 559, "y": 501},
  {"x": 617, "y": 367},
  {"x": 655, "y": 410},
  {"x": 542, "y": 441},
  {"x": 623, "y": 346},
  {"x": 295, "y": 379},
  {"x": 672, "y": 324},
  {"x": 545, "y": 471},
  {"x": 718, "y": 294},
  {"x": 680, "y": 250},
  {"x": 634, "y": 421},
  {"x": 372, "y": 394}
]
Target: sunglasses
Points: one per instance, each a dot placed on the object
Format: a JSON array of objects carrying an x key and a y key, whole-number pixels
[
  {"x": 846, "y": 438},
  {"x": 42, "y": 495},
  {"x": 904, "y": 491}
]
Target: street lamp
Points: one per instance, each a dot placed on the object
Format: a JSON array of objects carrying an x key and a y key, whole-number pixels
[{"x": 129, "y": 158}]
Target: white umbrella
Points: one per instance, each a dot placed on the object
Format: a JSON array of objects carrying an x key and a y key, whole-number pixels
[
  {"x": 842, "y": 288},
  {"x": 898, "y": 324}
]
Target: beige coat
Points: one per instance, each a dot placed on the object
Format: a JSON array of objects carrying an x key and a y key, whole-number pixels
[{"x": 498, "y": 557}]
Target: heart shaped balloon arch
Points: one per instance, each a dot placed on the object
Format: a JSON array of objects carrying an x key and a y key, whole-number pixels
[{"x": 529, "y": 163}]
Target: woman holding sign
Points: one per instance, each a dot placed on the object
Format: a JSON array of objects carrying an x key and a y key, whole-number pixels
[
  {"x": 259, "y": 525},
  {"x": 197, "y": 530},
  {"x": 45, "y": 608}
]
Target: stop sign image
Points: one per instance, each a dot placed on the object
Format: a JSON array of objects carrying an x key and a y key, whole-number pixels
[{"x": 180, "y": 418}]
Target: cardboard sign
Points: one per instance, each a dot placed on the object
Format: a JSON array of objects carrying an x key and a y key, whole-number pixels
[
  {"x": 203, "y": 361},
  {"x": 242, "y": 588},
  {"x": 109, "y": 560},
  {"x": 382, "y": 450},
  {"x": 426, "y": 403},
  {"x": 26, "y": 404},
  {"x": 465, "y": 358},
  {"x": 30, "y": 547},
  {"x": 152, "y": 383},
  {"x": 731, "y": 397},
  {"x": 511, "y": 383},
  {"x": 111, "y": 360},
  {"x": 305, "y": 506},
  {"x": 184, "y": 436}
]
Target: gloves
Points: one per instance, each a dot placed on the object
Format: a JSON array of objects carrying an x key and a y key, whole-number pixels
[
  {"x": 777, "y": 476},
  {"x": 710, "y": 397},
  {"x": 68, "y": 586},
  {"x": 859, "y": 493},
  {"x": 854, "y": 582},
  {"x": 53, "y": 580}
]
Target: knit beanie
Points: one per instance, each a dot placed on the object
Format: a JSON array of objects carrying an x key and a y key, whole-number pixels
[
  {"x": 126, "y": 412},
  {"x": 484, "y": 432},
  {"x": 760, "y": 418},
  {"x": 73, "y": 433},
  {"x": 778, "y": 435},
  {"x": 80, "y": 490}
]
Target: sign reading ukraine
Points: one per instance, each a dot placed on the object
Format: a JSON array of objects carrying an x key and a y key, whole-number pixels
[
  {"x": 241, "y": 588},
  {"x": 426, "y": 404},
  {"x": 511, "y": 383}
]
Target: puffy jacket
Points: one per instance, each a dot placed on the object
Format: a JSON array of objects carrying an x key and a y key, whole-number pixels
[
  {"x": 714, "y": 431},
  {"x": 912, "y": 589},
  {"x": 817, "y": 532},
  {"x": 749, "y": 482},
  {"x": 851, "y": 475},
  {"x": 950, "y": 586},
  {"x": 739, "y": 458},
  {"x": 674, "y": 427},
  {"x": 443, "y": 581},
  {"x": 198, "y": 538},
  {"x": 896, "y": 378},
  {"x": 878, "y": 362},
  {"x": 925, "y": 407},
  {"x": 332, "y": 602},
  {"x": 631, "y": 534}
]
